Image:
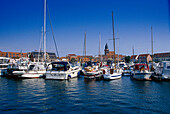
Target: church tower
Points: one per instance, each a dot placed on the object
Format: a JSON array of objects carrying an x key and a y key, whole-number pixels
[{"x": 106, "y": 50}]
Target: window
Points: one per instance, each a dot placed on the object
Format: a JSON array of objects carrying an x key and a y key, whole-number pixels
[{"x": 168, "y": 67}]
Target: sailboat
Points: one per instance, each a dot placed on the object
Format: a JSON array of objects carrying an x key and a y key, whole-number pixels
[
  {"x": 113, "y": 73},
  {"x": 91, "y": 72},
  {"x": 141, "y": 71},
  {"x": 37, "y": 69}
]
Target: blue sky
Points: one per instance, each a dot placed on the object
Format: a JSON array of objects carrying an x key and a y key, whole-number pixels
[{"x": 21, "y": 22}]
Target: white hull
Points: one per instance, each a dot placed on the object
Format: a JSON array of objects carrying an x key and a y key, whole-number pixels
[
  {"x": 61, "y": 75},
  {"x": 113, "y": 76},
  {"x": 90, "y": 75},
  {"x": 142, "y": 76},
  {"x": 18, "y": 73},
  {"x": 33, "y": 74}
]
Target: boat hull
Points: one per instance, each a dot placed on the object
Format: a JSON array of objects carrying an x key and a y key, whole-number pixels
[
  {"x": 60, "y": 75},
  {"x": 92, "y": 75},
  {"x": 113, "y": 76},
  {"x": 142, "y": 76}
]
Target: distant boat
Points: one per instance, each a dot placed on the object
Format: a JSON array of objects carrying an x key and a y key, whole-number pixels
[
  {"x": 3, "y": 65},
  {"x": 162, "y": 71}
]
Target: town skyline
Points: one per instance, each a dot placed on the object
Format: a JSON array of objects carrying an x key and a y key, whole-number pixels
[{"x": 21, "y": 24}]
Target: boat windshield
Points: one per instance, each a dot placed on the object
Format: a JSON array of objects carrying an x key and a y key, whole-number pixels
[
  {"x": 121, "y": 65},
  {"x": 143, "y": 66},
  {"x": 4, "y": 61},
  {"x": 168, "y": 67},
  {"x": 58, "y": 67},
  {"x": 31, "y": 67}
]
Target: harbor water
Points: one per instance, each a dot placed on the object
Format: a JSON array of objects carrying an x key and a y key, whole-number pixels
[{"x": 80, "y": 96}]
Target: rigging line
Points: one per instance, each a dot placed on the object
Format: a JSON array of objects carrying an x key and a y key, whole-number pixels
[{"x": 52, "y": 32}]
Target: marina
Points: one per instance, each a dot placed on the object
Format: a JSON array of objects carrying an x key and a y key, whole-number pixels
[{"x": 110, "y": 79}]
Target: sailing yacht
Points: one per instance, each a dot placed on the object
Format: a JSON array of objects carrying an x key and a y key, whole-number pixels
[
  {"x": 35, "y": 70},
  {"x": 113, "y": 73},
  {"x": 38, "y": 69}
]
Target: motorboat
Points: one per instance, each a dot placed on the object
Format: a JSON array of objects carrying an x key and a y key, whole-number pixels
[
  {"x": 18, "y": 67},
  {"x": 141, "y": 72},
  {"x": 127, "y": 71},
  {"x": 61, "y": 70},
  {"x": 35, "y": 70},
  {"x": 162, "y": 71},
  {"x": 3, "y": 65},
  {"x": 112, "y": 74},
  {"x": 92, "y": 72}
]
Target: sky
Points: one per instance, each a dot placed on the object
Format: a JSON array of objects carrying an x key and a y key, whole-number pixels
[{"x": 21, "y": 24}]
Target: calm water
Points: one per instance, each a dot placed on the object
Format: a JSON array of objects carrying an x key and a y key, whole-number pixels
[{"x": 79, "y": 95}]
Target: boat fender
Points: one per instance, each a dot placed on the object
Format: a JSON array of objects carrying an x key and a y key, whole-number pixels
[
  {"x": 78, "y": 73},
  {"x": 69, "y": 76}
]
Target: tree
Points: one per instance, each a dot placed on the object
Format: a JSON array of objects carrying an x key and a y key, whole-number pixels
[
  {"x": 127, "y": 59},
  {"x": 73, "y": 60}
]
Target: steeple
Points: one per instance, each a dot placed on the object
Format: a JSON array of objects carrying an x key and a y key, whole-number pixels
[
  {"x": 106, "y": 46},
  {"x": 106, "y": 50}
]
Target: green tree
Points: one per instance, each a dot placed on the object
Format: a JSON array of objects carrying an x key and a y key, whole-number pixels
[
  {"x": 127, "y": 59},
  {"x": 73, "y": 60}
]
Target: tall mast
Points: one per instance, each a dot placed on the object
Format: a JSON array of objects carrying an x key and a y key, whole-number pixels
[
  {"x": 41, "y": 45},
  {"x": 118, "y": 50},
  {"x": 45, "y": 2},
  {"x": 99, "y": 46},
  {"x": 114, "y": 41},
  {"x": 133, "y": 51},
  {"x": 152, "y": 46},
  {"x": 85, "y": 45}
]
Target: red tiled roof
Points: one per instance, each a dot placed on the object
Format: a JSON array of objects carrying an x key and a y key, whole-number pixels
[{"x": 143, "y": 55}]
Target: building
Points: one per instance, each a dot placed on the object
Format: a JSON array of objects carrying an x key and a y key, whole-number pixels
[
  {"x": 13, "y": 54},
  {"x": 134, "y": 58},
  {"x": 109, "y": 55},
  {"x": 106, "y": 50},
  {"x": 70, "y": 56},
  {"x": 39, "y": 56},
  {"x": 144, "y": 58},
  {"x": 158, "y": 57}
]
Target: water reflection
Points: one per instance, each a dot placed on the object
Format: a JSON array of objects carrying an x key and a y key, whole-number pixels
[{"x": 80, "y": 95}]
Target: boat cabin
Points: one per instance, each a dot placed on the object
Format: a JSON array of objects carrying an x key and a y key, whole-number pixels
[
  {"x": 141, "y": 67},
  {"x": 60, "y": 66}
]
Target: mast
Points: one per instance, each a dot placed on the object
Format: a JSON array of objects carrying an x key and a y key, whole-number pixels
[
  {"x": 45, "y": 2},
  {"x": 114, "y": 41},
  {"x": 118, "y": 50},
  {"x": 41, "y": 45},
  {"x": 133, "y": 51},
  {"x": 99, "y": 47},
  {"x": 85, "y": 46},
  {"x": 152, "y": 46}
]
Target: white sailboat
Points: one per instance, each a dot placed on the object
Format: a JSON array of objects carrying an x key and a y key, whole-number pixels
[
  {"x": 113, "y": 74},
  {"x": 37, "y": 69}
]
